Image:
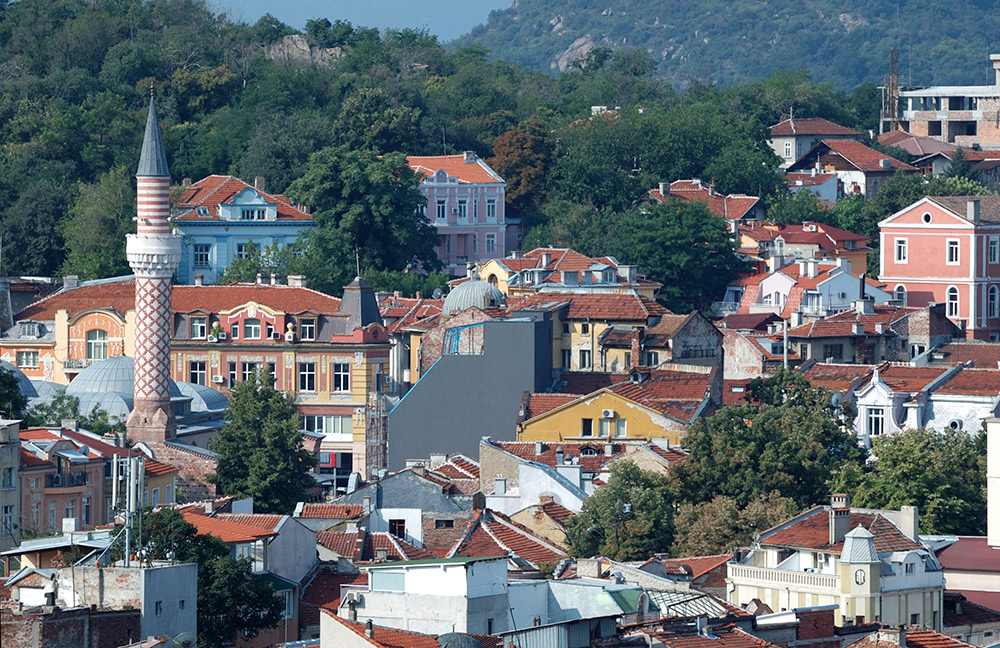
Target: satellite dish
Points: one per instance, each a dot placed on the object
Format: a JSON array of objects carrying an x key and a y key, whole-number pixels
[
  {"x": 436, "y": 294},
  {"x": 185, "y": 640}
]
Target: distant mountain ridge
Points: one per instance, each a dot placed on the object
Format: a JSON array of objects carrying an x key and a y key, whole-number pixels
[{"x": 843, "y": 41}]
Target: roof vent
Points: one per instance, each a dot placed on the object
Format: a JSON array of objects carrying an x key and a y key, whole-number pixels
[
  {"x": 885, "y": 163},
  {"x": 469, "y": 157}
]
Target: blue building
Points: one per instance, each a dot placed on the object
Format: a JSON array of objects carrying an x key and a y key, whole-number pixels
[{"x": 221, "y": 217}]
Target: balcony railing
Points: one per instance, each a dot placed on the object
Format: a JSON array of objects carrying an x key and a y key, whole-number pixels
[
  {"x": 781, "y": 577},
  {"x": 67, "y": 480},
  {"x": 78, "y": 363},
  {"x": 725, "y": 307}
]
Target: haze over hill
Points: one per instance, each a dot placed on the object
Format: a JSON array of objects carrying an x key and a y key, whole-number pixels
[{"x": 843, "y": 41}]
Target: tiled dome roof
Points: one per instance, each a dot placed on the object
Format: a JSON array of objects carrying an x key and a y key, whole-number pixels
[{"x": 474, "y": 292}]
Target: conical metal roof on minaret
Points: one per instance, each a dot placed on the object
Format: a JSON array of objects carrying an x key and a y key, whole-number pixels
[{"x": 153, "y": 160}]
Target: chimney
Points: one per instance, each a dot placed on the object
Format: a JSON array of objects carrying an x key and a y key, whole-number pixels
[
  {"x": 864, "y": 306},
  {"x": 796, "y": 319},
  {"x": 499, "y": 486},
  {"x": 569, "y": 277},
  {"x": 260, "y": 277},
  {"x": 259, "y": 184},
  {"x": 297, "y": 281},
  {"x": 840, "y": 500},
  {"x": 546, "y": 259},
  {"x": 469, "y": 157},
  {"x": 993, "y": 482},
  {"x": 812, "y": 268},
  {"x": 885, "y": 163},
  {"x": 369, "y": 629},
  {"x": 857, "y": 328},
  {"x": 972, "y": 210},
  {"x": 209, "y": 507},
  {"x": 665, "y": 188},
  {"x": 199, "y": 279},
  {"x": 186, "y": 182},
  {"x": 71, "y": 281},
  {"x": 840, "y": 524},
  {"x": 366, "y": 504},
  {"x": 995, "y": 60},
  {"x": 635, "y": 345},
  {"x": 70, "y": 525},
  {"x": 381, "y": 553},
  {"x": 628, "y": 274},
  {"x": 69, "y": 424},
  {"x": 559, "y": 456},
  {"x": 895, "y": 635},
  {"x": 609, "y": 449},
  {"x": 538, "y": 448},
  {"x": 274, "y": 279},
  {"x": 812, "y": 172},
  {"x": 880, "y": 328}
]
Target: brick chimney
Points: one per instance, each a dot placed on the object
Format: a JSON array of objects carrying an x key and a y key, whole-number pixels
[
  {"x": 259, "y": 184},
  {"x": 199, "y": 279},
  {"x": 635, "y": 340},
  {"x": 840, "y": 524}
]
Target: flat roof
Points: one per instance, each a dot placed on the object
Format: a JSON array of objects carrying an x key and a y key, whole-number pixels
[
  {"x": 953, "y": 91},
  {"x": 435, "y": 561}
]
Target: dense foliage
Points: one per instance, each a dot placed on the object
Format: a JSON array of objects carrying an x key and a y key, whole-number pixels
[
  {"x": 260, "y": 451},
  {"x": 12, "y": 401},
  {"x": 845, "y": 41},
  {"x": 233, "y": 602}
]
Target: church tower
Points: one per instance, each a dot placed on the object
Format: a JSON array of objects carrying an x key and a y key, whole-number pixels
[{"x": 154, "y": 254}]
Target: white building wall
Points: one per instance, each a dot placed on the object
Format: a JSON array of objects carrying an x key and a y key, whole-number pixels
[{"x": 414, "y": 526}]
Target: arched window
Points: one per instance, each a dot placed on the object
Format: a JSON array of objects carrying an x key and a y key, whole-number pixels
[
  {"x": 993, "y": 302},
  {"x": 493, "y": 279},
  {"x": 952, "y": 301},
  {"x": 97, "y": 344},
  {"x": 901, "y": 294}
]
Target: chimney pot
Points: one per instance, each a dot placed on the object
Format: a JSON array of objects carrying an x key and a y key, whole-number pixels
[
  {"x": 260, "y": 277},
  {"x": 274, "y": 279},
  {"x": 499, "y": 486},
  {"x": 469, "y": 157},
  {"x": 369, "y": 629},
  {"x": 259, "y": 184},
  {"x": 199, "y": 280},
  {"x": 972, "y": 210},
  {"x": 538, "y": 448},
  {"x": 665, "y": 188},
  {"x": 609, "y": 449}
]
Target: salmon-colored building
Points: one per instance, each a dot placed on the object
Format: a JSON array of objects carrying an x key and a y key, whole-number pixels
[{"x": 946, "y": 249}]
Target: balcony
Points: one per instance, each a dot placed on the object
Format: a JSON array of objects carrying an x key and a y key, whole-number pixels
[
  {"x": 78, "y": 364},
  {"x": 781, "y": 578},
  {"x": 725, "y": 307},
  {"x": 67, "y": 480}
]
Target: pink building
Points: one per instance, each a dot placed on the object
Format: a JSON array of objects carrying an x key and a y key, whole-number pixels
[
  {"x": 465, "y": 202},
  {"x": 947, "y": 249}
]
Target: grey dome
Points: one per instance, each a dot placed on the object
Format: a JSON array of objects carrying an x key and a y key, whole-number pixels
[
  {"x": 203, "y": 399},
  {"x": 115, "y": 374},
  {"x": 457, "y": 640},
  {"x": 116, "y": 404},
  {"x": 23, "y": 382},
  {"x": 474, "y": 292}
]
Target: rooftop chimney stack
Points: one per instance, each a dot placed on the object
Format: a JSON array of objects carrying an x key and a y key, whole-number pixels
[
  {"x": 259, "y": 184},
  {"x": 546, "y": 259},
  {"x": 199, "y": 279},
  {"x": 972, "y": 210},
  {"x": 469, "y": 157}
]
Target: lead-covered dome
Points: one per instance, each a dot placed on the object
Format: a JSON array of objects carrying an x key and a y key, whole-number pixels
[
  {"x": 23, "y": 382},
  {"x": 473, "y": 293}
]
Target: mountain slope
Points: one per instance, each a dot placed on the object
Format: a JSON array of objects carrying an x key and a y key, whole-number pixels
[{"x": 843, "y": 41}]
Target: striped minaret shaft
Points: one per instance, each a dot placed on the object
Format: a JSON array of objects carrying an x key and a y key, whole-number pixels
[{"x": 154, "y": 254}]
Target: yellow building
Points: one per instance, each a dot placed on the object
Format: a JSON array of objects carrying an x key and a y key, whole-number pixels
[{"x": 642, "y": 405}]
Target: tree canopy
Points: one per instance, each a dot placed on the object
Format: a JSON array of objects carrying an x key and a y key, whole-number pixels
[
  {"x": 12, "y": 401},
  {"x": 260, "y": 452}
]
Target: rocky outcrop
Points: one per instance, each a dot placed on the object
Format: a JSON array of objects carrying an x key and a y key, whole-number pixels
[{"x": 295, "y": 48}]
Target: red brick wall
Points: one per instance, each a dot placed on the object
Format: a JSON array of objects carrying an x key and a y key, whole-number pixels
[
  {"x": 194, "y": 470},
  {"x": 79, "y": 628},
  {"x": 435, "y": 538}
]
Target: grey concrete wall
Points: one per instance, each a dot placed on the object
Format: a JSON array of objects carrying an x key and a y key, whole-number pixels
[{"x": 465, "y": 397}]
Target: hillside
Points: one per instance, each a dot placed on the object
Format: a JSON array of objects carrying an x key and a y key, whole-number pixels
[{"x": 843, "y": 41}]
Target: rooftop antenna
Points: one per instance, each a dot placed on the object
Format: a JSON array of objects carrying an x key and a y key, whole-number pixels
[{"x": 357, "y": 261}]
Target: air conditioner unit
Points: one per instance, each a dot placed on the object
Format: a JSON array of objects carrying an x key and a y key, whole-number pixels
[
  {"x": 222, "y": 336},
  {"x": 387, "y": 379},
  {"x": 212, "y": 338},
  {"x": 276, "y": 335},
  {"x": 289, "y": 337},
  {"x": 218, "y": 380},
  {"x": 454, "y": 210},
  {"x": 607, "y": 413}
]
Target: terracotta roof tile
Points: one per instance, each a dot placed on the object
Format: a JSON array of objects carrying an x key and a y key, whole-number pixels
[
  {"x": 916, "y": 637},
  {"x": 732, "y": 207},
  {"x": 864, "y": 158},
  {"x": 323, "y": 591},
  {"x": 31, "y": 460},
  {"x": 722, "y": 637},
  {"x": 989, "y": 206},
  {"x": 903, "y": 378},
  {"x": 258, "y": 520},
  {"x": 810, "y": 126},
  {"x": 839, "y": 377},
  {"x": 598, "y": 306},
  {"x": 217, "y": 190},
  {"x": 556, "y": 511},
  {"x": 807, "y": 179},
  {"x": 980, "y": 354},
  {"x": 333, "y": 511},
  {"x": 38, "y": 434},
  {"x": 812, "y": 531},
  {"x": 227, "y": 531},
  {"x": 388, "y": 637},
  {"x": 491, "y": 533},
  {"x": 842, "y": 324},
  {"x": 590, "y": 454},
  {"x": 456, "y": 167},
  {"x": 978, "y": 382},
  {"x": 696, "y": 566},
  {"x": 971, "y": 613},
  {"x": 345, "y": 543},
  {"x": 586, "y": 382},
  {"x": 539, "y": 404}
]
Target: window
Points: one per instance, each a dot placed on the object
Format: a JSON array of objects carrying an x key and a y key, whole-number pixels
[
  {"x": 876, "y": 421},
  {"x": 900, "y": 294},
  {"x": 7, "y": 521},
  {"x": 307, "y": 376},
  {"x": 180, "y": 604},
  {"x": 442, "y": 210},
  {"x": 833, "y": 351},
  {"x": 620, "y": 429},
  {"x": 199, "y": 328},
  {"x": 491, "y": 243},
  {"x": 447, "y": 244},
  {"x": 901, "y": 250},
  {"x": 926, "y": 218},
  {"x": 616, "y": 426},
  {"x": 8, "y": 477},
  {"x": 232, "y": 374},
  {"x": 289, "y": 598},
  {"x": 97, "y": 344},
  {"x": 463, "y": 210},
  {"x": 52, "y": 516},
  {"x": 251, "y": 329},
  {"x": 788, "y": 150},
  {"x": 168, "y": 495},
  {"x": 307, "y": 329},
  {"x": 994, "y": 250},
  {"x": 398, "y": 528},
  {"x": 197, "y": 373},
  {"x": 202, "y": 255},
  {"x": 628, "y": 359},
  {"x": 475, "y": 250},
  {"x": 342, "y": 377},
  {"x": 444, "y": 524},
  {"x": 652, "y": 358},
  {"x": 158, "y": 608},
  {"x": 156, "y": 497},
  {"x": 253, "y": 214},
  {"x": 586, "y": 427},
  {"x": 993, "y": 301},
  {"x": 379, "y": 380},
  {"x": 585, "y": 329},
  {"x": 953, "y": 256},
  {"x": 565, "y": 328},
  {"x": 952, "y": 302},
  {"x": 27, "y": 359},
  {"x": 584, "y": 358},
  {"x": 566, "y": 359},
  {"x": 248, "y": 370},
  {"x": 268, "y": 331},
  {"x": 915, "y": 619},
  {"x": 234, "y": 330},
  {"x": 70, "y": 509},
  {"x": 34, "y": 483},
  {"x": 491, "y": 210},
  {"x": 243, "y": 250}
]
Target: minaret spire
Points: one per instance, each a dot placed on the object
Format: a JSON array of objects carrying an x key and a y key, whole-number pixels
[{"x": 154, "y": 254}]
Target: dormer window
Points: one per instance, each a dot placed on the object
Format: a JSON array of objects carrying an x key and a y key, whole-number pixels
[
  {"x": 307, "y": 329},
  {"x": 253, "y": 213},
  {"x": 202, "y": 212},
  {"x": 850, "y": 245},
  {"x": 199, "y": 328}
]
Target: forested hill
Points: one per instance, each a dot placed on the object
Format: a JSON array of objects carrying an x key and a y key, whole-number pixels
[{"x": 846, "y": 42}]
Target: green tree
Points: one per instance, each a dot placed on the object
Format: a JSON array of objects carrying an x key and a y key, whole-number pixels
[
  {"x": 683, "y": 246},
  {"x": 370, "y": 120},
  {"x": 721, "y": 525},
  {"x": 281, "y": 261},
  {"x": 365, "y": 204},
  {"x": 95, "y": 227},
  {"x": 941, "y": 473},
  {"x": 260, "y": 448},
  {"x": 62, "y": 407},
  {"x": 787, "y": 387},
  {"x": 786, "y": 208},
  {"x": 629, "y": 519},
  {"x": 233, "y": 602},
  {"x": 962, "y": 167},
  {"x": 12, "y": 401}
]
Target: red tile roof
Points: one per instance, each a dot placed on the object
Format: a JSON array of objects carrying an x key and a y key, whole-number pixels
[
  {"x": 458, "y": 467},
  {"x": 387, "y": 637},
  {"x": 405, "y": 313},
  {"x": 456, "y": 167},
  {"x": 345, "y": 543},
  {"x": 539, "y": 404},
  {"x": 218, "y": 190},
  {"x": 839, "y": 377},
  {"x": 809, "y": 126},
  {"x": 732, "y": 207},
  {"x": 989, "y": 600},
  {"x": 985, "y": 355},
  {"x": 970, "y": 553},
  {"x": 597, "y": 306},
  {"x": 119, "y": 296},
  {"x": 362, "y": 546},
  {"x": 333, "y": 511},
  {"x": 323, "y": 591},
  {"x": 38, "y": 434},
  {"x": 589, "y": 462},
  {"x": 916, "y": 637},
  {"x": 31, "y": 460},
  {"x": 863, "y": 157},
  {"x": 227, "y": 531},
  {"x": 842, "y": 324},
  {"x": 258, "y": 520},
  {"x": 556, "y": 511},
  {"x": 491, "y": 533},
  {"x": 696, "y": 566},
  {"x": 903, "y": 378},
  {"x": 977, "y": 382},
  {"x": 807, "y": 179},
  {"x": 721, "y": 637},
  {"x": 971, "y": 613},
  {"x": 811, "y": 530},
  {"x": 586, "y": 382}
]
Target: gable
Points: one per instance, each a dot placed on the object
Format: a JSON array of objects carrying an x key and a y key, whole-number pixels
[{"x": 913, "y": 216}]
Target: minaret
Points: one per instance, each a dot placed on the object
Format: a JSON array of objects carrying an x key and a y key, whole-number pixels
[{"x": 154, "y": 254}]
